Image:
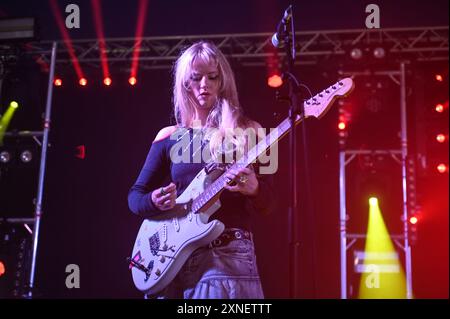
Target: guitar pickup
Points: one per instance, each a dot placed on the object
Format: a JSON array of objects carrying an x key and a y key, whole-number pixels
[
  {"x": 210, "y": 167},
  {"x": 213, "y": 166}
]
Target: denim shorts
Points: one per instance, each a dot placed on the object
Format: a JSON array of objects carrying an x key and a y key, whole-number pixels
[{"x": 224, "y": 272}]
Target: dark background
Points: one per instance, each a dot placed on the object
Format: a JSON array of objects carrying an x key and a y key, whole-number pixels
[{"x": 86, "y": 218}]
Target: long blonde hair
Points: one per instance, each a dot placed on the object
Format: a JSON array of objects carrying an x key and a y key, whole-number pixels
[{"x": 225, "y": 115}]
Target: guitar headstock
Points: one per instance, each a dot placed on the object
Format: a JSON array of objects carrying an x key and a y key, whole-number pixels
[{"x": 319, "y": 104}]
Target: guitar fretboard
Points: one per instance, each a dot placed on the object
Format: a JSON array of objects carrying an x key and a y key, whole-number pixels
[
  {"x": 314, "y": 107},
  {"x": 218, "y": 185}
]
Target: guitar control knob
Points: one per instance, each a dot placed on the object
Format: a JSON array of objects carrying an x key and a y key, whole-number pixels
[
  {"x": 164, "y": 247},
  {"x": 162, "y": 259},
  {"x": 158, "y": 272}
]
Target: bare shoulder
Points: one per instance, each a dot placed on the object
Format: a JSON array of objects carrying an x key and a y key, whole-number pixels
[{"x": 165, "y": 132}]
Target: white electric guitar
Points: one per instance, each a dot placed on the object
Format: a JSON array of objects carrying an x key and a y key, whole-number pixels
[{"x": 166, "y": 241}]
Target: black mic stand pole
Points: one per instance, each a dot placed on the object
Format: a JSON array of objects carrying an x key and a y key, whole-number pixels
[{"x": 296, "y": 110}]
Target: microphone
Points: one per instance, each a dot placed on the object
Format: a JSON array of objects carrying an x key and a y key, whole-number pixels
[{"x": 277, "y": 38}]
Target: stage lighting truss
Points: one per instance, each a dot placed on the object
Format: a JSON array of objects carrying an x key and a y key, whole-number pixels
[
  {"x": 406, "y": 168},
  {"x": 253, "y": 49}
]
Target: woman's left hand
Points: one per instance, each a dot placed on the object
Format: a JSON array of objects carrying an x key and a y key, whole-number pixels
[{"x": 245, "y": 181}]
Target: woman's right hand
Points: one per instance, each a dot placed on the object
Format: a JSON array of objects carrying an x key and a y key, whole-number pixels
[{"x": 164, "y": 198}]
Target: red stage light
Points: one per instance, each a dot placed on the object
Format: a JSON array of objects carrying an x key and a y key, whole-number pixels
[
  {"x": 107, "y": 81},
  {"x": 142, "y": 12},
  {"x": 442, "y": 168},
  {"x": 83, "y": 82},
  {"x": 132, "y": 80},
  {"x": 439, "y": 108},
  {"x": 57, "y": 82},
  {"x": 81, "y": 152},
  {"x": 2, "y": 269},
  {"x": 342, "y": 126},
  {"x": 413, "y": 220},
  {"x": 441, "y": 138},
  {"x": 439, "y": 78},
  {"x": 275, "y": 81},
  {"x": 96, "y": 8}
]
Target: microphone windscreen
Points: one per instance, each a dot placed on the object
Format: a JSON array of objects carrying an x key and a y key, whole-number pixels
[{"x": 276, "y": 42}]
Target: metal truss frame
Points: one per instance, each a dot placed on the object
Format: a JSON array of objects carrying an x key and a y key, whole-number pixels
[
  {"x": 400, "y": 155},
  {"x": 44, "y": 144},
  {"x": 253, "y": 49}
]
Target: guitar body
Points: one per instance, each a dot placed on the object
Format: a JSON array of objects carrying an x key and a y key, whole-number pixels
[{"x": 166, "y": 241}]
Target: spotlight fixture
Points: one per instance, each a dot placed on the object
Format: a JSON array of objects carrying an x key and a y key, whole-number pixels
[
  {"x": 441, "y": 138},
  {"x": 379, "y": 53},
  {"x": 342, "y": 125},
  {"x": 442, "y": 168},
  {"x": 26, "y": 156},
  {"x": 83, "y": 82},
  {"x": 274, "y": 81},
  {"x": 107, "y": 81},
  {"x": 132, "y": 80},
  {"x": 356, "y": 53},
  {"x": 413, "y": 220},
  {"x": 5, "y": 157}
]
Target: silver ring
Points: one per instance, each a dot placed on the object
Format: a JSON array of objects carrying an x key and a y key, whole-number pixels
[
  {"x": 162, "y": 191},
  {"x": 243, "y": 179}
]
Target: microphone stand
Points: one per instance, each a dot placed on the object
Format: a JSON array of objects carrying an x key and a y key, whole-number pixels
[{"x": 295, "y": 109}]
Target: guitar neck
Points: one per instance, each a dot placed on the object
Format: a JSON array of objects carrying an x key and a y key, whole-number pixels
[
  {"x": 275, "y": 135},
  {"x": 316, "y": 106},
  {"x": 251, "y": 157}
]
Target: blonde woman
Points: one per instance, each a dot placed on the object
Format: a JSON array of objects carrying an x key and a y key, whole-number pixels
[{"x": 207, "y": 113}]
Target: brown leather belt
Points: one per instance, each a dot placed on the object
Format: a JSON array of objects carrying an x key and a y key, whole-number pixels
[{"x": 229, "y": 235}]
